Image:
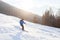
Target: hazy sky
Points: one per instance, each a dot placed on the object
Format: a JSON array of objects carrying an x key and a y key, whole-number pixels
[{"x": 35, "y": 6}]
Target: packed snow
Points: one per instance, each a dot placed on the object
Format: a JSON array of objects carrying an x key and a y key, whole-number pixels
[{"x": 10, "y": 29}]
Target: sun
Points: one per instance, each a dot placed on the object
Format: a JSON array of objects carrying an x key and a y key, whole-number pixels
[{"x": 27, "y": 4}]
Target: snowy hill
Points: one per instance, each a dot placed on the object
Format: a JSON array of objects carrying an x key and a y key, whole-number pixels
[{"x": 11, "y": 30}]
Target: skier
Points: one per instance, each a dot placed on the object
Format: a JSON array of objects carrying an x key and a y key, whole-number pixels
[{"x": 22, "y": 24}]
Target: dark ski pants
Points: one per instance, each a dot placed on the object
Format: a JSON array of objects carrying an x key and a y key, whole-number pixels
[{"x": 22, "y": 27}]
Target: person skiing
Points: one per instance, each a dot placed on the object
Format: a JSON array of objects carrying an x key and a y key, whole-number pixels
[{"x": 22, "y": 23}]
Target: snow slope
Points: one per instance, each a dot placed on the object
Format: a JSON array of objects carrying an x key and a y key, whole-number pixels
[{"x": 10, "y": 29}]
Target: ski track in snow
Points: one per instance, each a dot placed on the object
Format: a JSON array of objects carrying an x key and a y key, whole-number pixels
[{"x": 10, "y": 29}]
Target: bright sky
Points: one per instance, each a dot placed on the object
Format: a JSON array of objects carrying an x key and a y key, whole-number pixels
[{"x": 35, "y": 6}]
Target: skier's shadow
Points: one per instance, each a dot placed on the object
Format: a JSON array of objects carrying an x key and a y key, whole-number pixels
[{"x": 17, "y": 36}]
